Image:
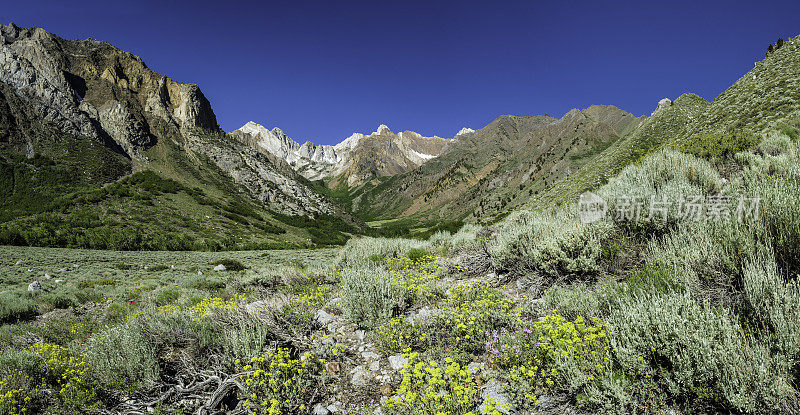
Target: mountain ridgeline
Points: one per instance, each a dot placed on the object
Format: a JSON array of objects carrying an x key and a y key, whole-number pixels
[{"x": 99, "y": 151}]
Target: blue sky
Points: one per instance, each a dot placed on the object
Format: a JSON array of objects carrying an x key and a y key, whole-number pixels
[{"x": 321, "y": 70}]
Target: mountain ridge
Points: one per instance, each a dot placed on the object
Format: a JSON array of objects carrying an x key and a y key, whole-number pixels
[{"x": 354, "y": 160}]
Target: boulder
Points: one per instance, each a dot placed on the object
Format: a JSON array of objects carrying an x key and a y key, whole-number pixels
[
  {"x": 34, "y": 286},
  {"x": 361, "y": 377},
  {"x": 397, "y": 362},
  {"x": 320, "y": 410},
  {"x": 494, "y": 390},
  {"x": 220, "y": 267},
  {"x": 375, "y": 366},
  {"x": 323, "y": 318},
  {"x": 662, "y": 105}
]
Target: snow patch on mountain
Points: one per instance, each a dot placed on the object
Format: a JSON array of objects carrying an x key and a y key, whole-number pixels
[
  {"x": 465, "y": 130},
  {"x": 421, "y": 155}
]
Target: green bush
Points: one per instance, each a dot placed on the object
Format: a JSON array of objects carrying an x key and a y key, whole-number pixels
[
  {"x": 122, "y": 357},
  {"x": 244, "y": 337},
  {"x": 230, "y": 264},
  {"x": 205, "y": 282},
  {"x": 775, "y": 303},
  {"x": 62, "y": 297},
  {"x": 717, "y": 147},
  {"x": 568, "y": 354},
  {"x": 697, "y": 353},
  {"x": 657, "y": 186},
  {"x": 552, "y": 244},
  {"x": 466, "y": 237},
  {"x": 467, "y": 315},
  {"x": 577, "y": 300},
  {"x": 167, "y": 296},
  {"x": 370, "y": 295},
  {"x": 359, "y": 250},
  {"x": 21, "y": 389},
  {"x": 417, "y": 254},
  {"x": 277, "y": 383},
  {"x": 16, "y": 307}
]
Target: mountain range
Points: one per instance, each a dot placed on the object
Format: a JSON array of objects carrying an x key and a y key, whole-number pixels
[
  {"x": 355, "y": 160},
  {"x": 98, "y": 150}
]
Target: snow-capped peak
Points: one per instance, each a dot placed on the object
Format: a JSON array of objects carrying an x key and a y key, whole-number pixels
[
  {"x": 465, "y": 130},
  {"x": 349, "y": 143},
  {"x": 382, "y": 129},
  {"x": 253, "y": 128}
]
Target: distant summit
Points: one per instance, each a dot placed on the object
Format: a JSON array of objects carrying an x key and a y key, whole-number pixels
[{"x": 355, "y": 160}]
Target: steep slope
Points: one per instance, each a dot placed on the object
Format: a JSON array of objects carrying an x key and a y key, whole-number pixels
[
  {"x": 78, "y": 114},
  {"x": 355, "y": 160},
  {"x": 482, "y": 172},
  {"x": 670, "y": 119},
  {"x": 767, "y": 96},
  {"x": 764, "y": 97}
]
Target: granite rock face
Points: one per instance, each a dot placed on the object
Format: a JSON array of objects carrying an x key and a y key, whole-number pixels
[
  {"x": 355, "y": 160},
  {"x": 88, "y": 89}
]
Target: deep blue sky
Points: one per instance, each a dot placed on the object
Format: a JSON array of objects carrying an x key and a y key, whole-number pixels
[{"x": 322, "y": 70}]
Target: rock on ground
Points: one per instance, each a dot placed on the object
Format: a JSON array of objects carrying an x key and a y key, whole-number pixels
[
  {"x": 494, "y": 389},
  {"x": 397, "y": 362},
  {"x": 34, "y": 286}
]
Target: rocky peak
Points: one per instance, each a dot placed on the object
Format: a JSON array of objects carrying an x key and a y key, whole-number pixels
[
  {"x": 382, "y": 129},
  {"x": 465, "y": 130},
  {"x": 662, "y": 105},
  {"x": 350, "y": 142},
  {"x": 92, "y": 89}
]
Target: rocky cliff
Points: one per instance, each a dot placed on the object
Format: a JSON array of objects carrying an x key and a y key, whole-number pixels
[{"x": 88, "y": 89}]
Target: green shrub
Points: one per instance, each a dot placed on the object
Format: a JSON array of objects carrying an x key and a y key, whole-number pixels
[
  {"x": 697, "y": 353},
  {"x": 467, "y": 315},
  {"x": 431, "y": 388},
  {"x": 775, "y": 302},
  {"x": 66, "y": 330},
  {"x": 157, "y": 268},
  {"x": 167, "y": 296},
  {"x": 15, "y": 307},
  {"x": 21, "y": 389},
  {"x": 358, "y": 250},
  {"x": 791, "y": 132},
  {"x": 466, "y": 237},
  {"x": 577, "y": 300},
  {"x": 440, "y": 239},
  {"x": 122, "y": 357},
  {"x": 395, "y": 335},
  {"x": 244, "y": 337},
  {"x": 277, "y": 383},
  {"x": 717, "y": 147},
  {"x": 645, "y": 198},
  {"x": 370, "y": 295},
  {"x": 98, "y": 282},
  {"x": 230, "y": 264},
  {"x": 417, "y": 254},
  {"x": 552, "y": 244},
  {"x": 205, "y": 282},
  {"x": 376, "y": 259},
  {"x": 62, "y": 297},
  {"x": 567, "y": 355}
]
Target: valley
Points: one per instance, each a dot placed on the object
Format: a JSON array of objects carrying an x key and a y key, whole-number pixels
[{"x": 151, "y": 262}]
